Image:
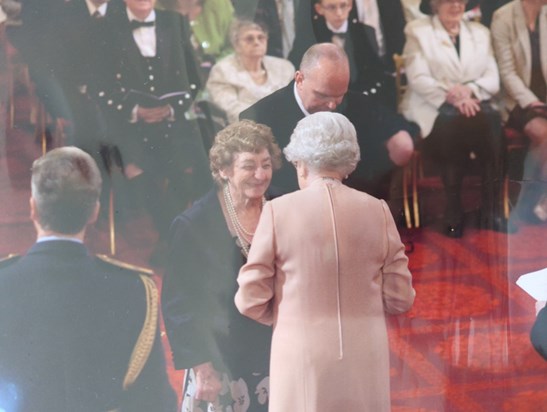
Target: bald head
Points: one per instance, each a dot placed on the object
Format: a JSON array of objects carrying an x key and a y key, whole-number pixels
[{"x": 323, "y": 77}]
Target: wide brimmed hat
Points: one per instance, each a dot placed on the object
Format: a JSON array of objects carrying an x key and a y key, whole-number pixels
[{"x": 425, "y": 6}]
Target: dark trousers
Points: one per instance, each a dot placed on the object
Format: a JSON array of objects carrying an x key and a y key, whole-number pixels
[
  {"x": 450, "y": 143},
  {"x": 175, "y": 170}
]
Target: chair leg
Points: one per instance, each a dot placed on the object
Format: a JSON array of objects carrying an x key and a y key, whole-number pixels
[
  {"x": 11, "y": 100},
  {"x": 112, "y": 223},
  {"x": 40, "y": 127},
  {"x": 416, "y": 163},
  {"x": 406, "y": 207},
  {"x": 506, "y": 209}
]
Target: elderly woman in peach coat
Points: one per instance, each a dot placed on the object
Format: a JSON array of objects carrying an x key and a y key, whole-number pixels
[{"x": 324, "y": 273}]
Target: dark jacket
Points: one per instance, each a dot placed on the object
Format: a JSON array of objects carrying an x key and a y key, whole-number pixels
[
  {"x": 281, "y": 112},
  {"x": 201, "y": 320},
  {"x": 174, "y": 69},
  {"x": 69, "y": 323}
]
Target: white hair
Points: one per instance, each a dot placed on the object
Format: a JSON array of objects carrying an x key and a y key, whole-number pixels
[{"x": 325, "y": 141}]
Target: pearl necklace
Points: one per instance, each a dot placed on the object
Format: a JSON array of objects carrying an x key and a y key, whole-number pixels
[{"x": 244, "y": 237}]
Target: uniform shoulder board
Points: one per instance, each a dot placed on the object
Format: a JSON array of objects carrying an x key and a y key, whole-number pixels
[
  {"x": 134, "y": 268},
  {"x": 9, "y": 260}
]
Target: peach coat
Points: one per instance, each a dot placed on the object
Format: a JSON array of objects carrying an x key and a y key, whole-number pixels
[{"x": 325, "y": 266}]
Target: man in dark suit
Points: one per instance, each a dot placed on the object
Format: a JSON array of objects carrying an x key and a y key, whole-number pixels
[
  {"x": 81, "y": 38},
  {"x": 35, "y": 40},
  {"x": 319, "y": 85},
  {"x": 77, "y": 332},
  {"x": 370, "y": 72},
  {"x": 161, "y": 150},
  {"x": 385, "y": 20}
]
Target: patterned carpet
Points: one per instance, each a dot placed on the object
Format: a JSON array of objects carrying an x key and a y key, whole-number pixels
[{"x": 463, "y": 347}]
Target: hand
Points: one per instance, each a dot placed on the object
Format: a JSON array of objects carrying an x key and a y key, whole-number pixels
[
  {"x": 468, "y": 107},
  {"x": 537, "y": 104},
  {"x": 62, "y": 124},
  {"x": 457, "y": 93},
  {"x": 208, "y": 384},
  {"x": 153, "y": 115},
  {"x": 131, "y": 170},
  {"x": 400, "y": 148}
]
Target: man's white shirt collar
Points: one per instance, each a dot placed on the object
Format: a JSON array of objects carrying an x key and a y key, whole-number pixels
[
  {"x": 49, "y": 238},
  {"x": 92, "y": 8},
  {"x": 342, "y": 29},
  {"x": 299, "y": 101}
]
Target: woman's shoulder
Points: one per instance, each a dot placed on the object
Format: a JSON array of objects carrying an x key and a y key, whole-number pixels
[
  {"x": 279, "y": 66},
  {"x": 419, "y": 25},
  {"x": 277, "y": 61},
  {"x": 316, "y": 191},
  {"x": 477, "y": 28},
  {"x": 227, "y": 62},
  {"x": 201, "y": 210},
  {"x": 506, "y": 10}
]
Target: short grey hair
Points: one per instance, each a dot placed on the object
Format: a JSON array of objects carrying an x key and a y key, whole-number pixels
[
  {"x": 239, "y": 26},
  {"x": 325, "y": 141},
  {"x": 316, "y": 53},
  {"x": 66, "y": 185}
]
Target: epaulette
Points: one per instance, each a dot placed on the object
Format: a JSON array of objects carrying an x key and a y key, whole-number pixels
[
  {"x": 118, "y": 263},
  {"x": 9, "y": 260},
  {"x": 145, "y": 341}
]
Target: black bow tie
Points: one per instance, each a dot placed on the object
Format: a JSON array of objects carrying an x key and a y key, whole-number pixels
[
  {"x": 342, "y": 35},
  {"x": 135, "y": 24}
]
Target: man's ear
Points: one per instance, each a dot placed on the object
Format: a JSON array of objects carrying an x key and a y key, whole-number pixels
[
  {"x": 318, "y": 9},
  {"x": 95, "y": 214},
  {"x": 298, "y": 77},
  {"x": 33, "y": 213}
]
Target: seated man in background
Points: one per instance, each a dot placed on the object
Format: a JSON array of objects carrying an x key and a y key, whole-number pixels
[
  {"x": 321, "y": 84},
  {"x": 77, "y": 332}
]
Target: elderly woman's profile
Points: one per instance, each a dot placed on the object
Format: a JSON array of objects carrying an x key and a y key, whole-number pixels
[
  {"x": 225, "y": 354},
  {"x": 325, "y": 266}
]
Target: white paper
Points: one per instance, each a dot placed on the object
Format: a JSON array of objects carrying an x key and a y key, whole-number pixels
[{"x": 535, "y": 284}]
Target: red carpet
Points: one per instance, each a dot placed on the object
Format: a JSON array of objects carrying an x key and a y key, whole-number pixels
[{"x": 463, "y": 347}]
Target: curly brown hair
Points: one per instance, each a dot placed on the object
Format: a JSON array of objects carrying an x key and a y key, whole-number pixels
[{"x": 240, "y": 137}]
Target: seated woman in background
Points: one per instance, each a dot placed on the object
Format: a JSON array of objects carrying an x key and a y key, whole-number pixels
[
  {"x": 519, "y": 33},
  {"x": 226, "y": 355},
  {"x": 210, "y": 21},
  {"x": 452, "y": 75},
  {"x": 241, "y": 79},
  {"x": 325, "y": 266}
]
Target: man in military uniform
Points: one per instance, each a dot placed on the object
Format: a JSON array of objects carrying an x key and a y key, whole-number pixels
[{"x": 77, "y": 332}]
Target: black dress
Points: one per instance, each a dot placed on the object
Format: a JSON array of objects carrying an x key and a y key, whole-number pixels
[{"x": 201, "y": 319}]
